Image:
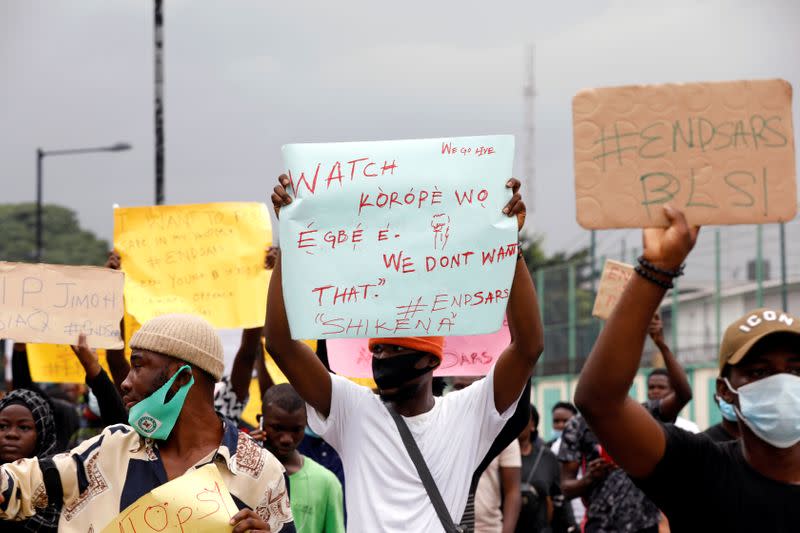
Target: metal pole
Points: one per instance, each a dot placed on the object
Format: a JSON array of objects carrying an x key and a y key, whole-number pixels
[
  {"x": 759, "y": 265},
  {"x": 784, "y": 293},
  {"x": 39, "y": 244},
  {"x": 718, "y": 285},
  {"x": 158, "y": 36},
  {"x": 572, "y": 316}
]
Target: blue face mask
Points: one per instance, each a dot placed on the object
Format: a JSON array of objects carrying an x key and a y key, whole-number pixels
[
  {"x": 770, "y": 407},
  {"x": 557, "y": 434},
  {"x": 727, "y": 410}
]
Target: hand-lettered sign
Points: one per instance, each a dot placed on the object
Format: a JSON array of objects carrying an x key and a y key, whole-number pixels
[
  {"x": 204, "y": 259},
  {"x": 57, "y": 363},
  {"x": 55, "y": 303},
  {"x": 721, "y": 152},
  {"x": 398, "y": 238},
  {"x": 471, "y": 355},
  {"x": 197, "y": 501},
  {"x": 612, "y": 283}
]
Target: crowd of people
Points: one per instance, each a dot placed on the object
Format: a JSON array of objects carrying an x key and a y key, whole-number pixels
[{"x": 330, "y": 455}]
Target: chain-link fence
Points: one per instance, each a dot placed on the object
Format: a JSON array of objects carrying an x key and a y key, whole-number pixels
[{"x": 732, "y": 270}]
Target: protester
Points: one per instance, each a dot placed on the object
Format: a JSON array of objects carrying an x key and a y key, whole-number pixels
[
  {"x": 67, "y": 418},
  {"x": 750, "y": 484},
  {"x": 563, "y": 412},
  {"x": 316, "y": 494},
  {"x": 668, "y": 388},
  {"x": 454, "y": 433},
  {"x": 727, "y": 429},
  {"x": 542, "y": 500},
  {"x": 27, "y": 429},
  {"x": 169, "y": 393},
  {"x": 497, "y": 496},
  {"x": 612, "y": 501}
]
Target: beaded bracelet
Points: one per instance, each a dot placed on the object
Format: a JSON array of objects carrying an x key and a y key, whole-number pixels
[
  {"x": 652, "y": 279},
  {"x": 671, "y": 273}
]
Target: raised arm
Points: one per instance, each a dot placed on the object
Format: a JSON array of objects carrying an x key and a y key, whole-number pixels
[
  {"x": 632, "y": 437},
  {"x": 298, "y": 361},
  {"x": 117, "y": 363},
  {"x": 681, "y": 393},
  {"x": 242, "y": 370},
  {"x": 112, "y": 410},
  {"x": 515, "y": 366}
]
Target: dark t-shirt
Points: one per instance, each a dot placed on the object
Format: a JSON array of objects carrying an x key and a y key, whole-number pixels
[
  {"x": 702, "y": 485},
  {"x": 546, "y": 479},
  {"x": 718, "y": 433}
]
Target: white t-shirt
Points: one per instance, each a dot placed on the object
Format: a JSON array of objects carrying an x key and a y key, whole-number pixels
[
  {"x": 384, "y": 492},
  {"x": 488, "y": 497}
]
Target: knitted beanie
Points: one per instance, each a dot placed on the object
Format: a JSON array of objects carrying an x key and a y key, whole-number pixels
[{"x": 185, "y": 337}]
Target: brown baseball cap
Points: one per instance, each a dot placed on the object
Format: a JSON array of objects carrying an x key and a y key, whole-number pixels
[{"x": 742, "y": 335}]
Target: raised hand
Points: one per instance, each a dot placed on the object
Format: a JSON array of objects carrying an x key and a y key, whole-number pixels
[
  {"x": 656, "y": 329},
  {"x": 280, "y": 197},
  {"x": 271, "y": 258},
  {"x": 515, "y": 206},
  {"x": 113, "y": 262},
  {"x": 87, "y": 357},
  {"x": 668, "y": 248}
]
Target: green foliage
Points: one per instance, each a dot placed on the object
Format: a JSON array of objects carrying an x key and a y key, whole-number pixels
[{"x": 65, "y": 243}]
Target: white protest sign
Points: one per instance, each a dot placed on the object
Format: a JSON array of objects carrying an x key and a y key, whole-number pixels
[{"x": 398, "y": 238}]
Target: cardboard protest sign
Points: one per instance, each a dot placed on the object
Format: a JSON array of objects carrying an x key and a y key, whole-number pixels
[
  {"x": 470, "y": 355},
  {"x": 721, "y": 152},
  {"x": 398, "y": 238},
  {"x": 203, "y": 259},
  {"x": 55, "y": 303},
  {"x": 197, "y": 501},
  {"x": 56, "y": 363},
  {"x": 612, "y": 283}
]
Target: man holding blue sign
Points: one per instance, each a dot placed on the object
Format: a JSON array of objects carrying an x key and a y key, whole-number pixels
[{"x": 453, "y": 434}]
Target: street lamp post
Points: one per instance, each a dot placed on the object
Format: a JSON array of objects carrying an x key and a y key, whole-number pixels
[{"x": 40, "y": 155}]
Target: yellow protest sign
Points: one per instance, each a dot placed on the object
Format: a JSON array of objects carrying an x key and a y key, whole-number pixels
[
  {"x": 198, "y": 501},
  {"x": 56, "y": 363},
  {"x": 202, "y": 259},
  {"x": 55, "y": 303}
]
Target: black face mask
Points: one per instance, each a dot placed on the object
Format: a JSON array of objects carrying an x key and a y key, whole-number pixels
[{"x": 394, "y": 372}]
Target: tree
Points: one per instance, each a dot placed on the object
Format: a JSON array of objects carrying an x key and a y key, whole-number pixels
[{"x": 65, "y": 243}]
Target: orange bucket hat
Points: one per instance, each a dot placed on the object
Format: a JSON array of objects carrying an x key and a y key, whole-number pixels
[{"x": 431, "y": 345}]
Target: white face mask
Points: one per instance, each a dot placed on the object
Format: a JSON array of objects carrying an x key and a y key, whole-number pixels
[{"x": 770, "y": 407}]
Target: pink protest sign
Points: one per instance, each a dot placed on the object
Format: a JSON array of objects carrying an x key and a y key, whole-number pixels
[{"x": 471, "y": 355}]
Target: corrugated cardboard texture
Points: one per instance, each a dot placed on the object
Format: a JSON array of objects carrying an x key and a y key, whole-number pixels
[
  {"x": 613, "y": 281},
  {"x": 721, "y": 152}
]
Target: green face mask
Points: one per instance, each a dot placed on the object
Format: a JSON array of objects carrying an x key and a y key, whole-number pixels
[{"x": 153, "y": 417}]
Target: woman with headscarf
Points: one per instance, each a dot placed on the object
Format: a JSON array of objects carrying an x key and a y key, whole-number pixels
[{"x": 27, "y": 429}]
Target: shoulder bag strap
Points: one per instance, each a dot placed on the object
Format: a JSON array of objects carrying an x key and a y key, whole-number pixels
[
  {"x": 535, "y": 464},
  {"x": 424, "y": 474}
]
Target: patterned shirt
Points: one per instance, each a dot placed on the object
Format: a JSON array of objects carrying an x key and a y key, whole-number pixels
[
  {"x": 104, "y": 475},
  {"x": 614, "y": 504}
]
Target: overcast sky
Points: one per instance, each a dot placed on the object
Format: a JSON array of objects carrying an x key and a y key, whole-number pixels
[{"x": 245, "y": 77}]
